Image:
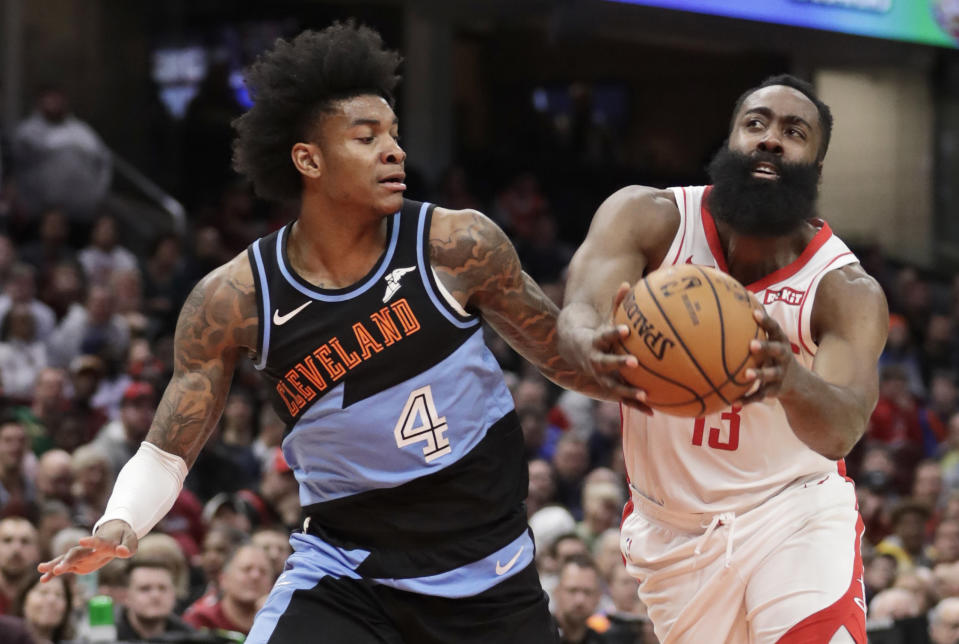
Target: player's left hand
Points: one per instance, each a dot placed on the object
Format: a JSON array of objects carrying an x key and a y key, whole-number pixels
[{"x": 775, "y": 357}]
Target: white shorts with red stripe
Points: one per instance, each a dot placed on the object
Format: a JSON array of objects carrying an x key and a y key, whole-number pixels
[{"x": 787, "y": 571}]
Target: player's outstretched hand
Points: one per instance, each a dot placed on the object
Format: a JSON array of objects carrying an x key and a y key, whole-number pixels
[
  {"x": 113, "y": 539},
  {"x": 775, "y": 357},
  {"x": 596, "y": 355}
]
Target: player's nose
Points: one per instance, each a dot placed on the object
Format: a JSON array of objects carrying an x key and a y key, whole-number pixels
[
  {"x": 770, "y": 142},
  {"x": 394, "y": 153}
]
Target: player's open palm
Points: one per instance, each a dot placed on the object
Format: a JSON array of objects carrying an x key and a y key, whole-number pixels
[
  {"x": 775, "y": 357},
  {"x": 113, "y": 539}
]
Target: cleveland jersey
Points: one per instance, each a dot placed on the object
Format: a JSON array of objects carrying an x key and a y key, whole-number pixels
[
  {"x": 733, "y": 460},
  {"x": 399, "y": 427}
]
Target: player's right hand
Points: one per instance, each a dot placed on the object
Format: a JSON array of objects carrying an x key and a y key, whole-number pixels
[
  {"x": 113, "y": 539},
  {"x": 595, "y": 353}
]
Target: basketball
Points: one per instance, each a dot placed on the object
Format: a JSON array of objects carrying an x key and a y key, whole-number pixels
[{"x": 689, "y": 328}]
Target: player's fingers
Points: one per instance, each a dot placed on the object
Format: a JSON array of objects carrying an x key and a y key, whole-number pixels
[
  {"x": 773, "y": 350},
  {"x": 47, "y": 566},
  {"x": 609, "y": 336},
  {"x": 770, "y": 326},
  {"x": 609, "y": 362},
  {"x": 620, "y": 295}
]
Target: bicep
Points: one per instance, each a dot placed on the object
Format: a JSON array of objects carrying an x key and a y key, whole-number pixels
[
  {"x": 629, "y": 230},
  {"x": 217, "y": 321},
  {"x": 851, "y": 319}
]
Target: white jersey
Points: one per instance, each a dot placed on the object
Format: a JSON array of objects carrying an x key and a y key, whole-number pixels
[{"x": 733, "y": 460}]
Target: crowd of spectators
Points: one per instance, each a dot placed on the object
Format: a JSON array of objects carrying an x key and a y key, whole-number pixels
[{"x": 86, "y": 331}]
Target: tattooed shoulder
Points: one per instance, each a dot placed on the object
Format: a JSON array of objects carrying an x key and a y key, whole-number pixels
[
  {"x": 471, "y": 254},
  {"x": 220, "y": 314}
]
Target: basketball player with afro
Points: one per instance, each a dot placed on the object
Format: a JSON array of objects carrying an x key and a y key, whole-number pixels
[
  {"x": 364, "y": 316},
  {"x": 751, "y": 535}
]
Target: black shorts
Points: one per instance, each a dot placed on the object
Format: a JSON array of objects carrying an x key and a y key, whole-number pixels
[{"x": 356, "y": 611}]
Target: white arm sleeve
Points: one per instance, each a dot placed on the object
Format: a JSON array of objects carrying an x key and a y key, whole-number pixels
[{"x": 145, "y": 489}]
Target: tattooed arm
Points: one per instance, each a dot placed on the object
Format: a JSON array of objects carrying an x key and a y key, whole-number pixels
[
  {"x": 478, "y": 265},
  {"x": 217, "y": 322}
]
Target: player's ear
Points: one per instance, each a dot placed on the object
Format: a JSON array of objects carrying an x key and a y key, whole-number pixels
[{"x": 308, "y": 159}]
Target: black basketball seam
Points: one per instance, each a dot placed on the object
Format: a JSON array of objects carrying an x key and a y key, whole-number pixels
[
  {"x": 679, "y": 339},
  {"x": 696, "y": 396}
]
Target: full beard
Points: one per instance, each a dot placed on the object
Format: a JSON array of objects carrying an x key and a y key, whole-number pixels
[{"x": 761, "y": 207}]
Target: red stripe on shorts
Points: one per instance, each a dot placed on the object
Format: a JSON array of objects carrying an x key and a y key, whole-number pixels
[{"x": 849, "y": 610}]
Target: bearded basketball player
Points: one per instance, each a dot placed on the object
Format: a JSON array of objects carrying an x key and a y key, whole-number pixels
[{"x": 742, "y": 526}]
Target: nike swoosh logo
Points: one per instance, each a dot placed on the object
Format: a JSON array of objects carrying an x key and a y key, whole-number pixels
[
  {"x": 280, "y": 320},
  {"x": 501, "y": 569}
]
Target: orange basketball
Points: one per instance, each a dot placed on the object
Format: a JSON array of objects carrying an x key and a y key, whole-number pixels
[{"x": 689, "y": 328}]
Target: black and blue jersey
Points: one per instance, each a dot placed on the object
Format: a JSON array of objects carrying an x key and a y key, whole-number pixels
[{"x": 399, "y": 427}]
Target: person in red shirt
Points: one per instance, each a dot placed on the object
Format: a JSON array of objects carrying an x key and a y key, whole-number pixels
[{"x": 245, "y": 581}]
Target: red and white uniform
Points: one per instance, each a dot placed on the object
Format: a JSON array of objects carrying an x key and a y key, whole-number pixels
[{"x": 738, "y": 531}]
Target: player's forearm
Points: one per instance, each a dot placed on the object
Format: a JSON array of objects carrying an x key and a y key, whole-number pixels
[
  {"x": 575, "y": 325},
  {"x": 828, "y": 418}
]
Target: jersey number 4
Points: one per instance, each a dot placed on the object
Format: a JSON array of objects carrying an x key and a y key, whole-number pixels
[
  {"x": 419, "y": 422},
  {"x": 715, "y": 441}
]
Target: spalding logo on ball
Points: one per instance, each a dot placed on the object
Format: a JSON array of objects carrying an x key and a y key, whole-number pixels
[{"x": 689, "y": 329}]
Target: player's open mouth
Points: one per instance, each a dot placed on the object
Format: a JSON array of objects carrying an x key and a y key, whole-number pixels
[
  {"x": 766, "y": 171},
  {"x": 394, "y": 182}
]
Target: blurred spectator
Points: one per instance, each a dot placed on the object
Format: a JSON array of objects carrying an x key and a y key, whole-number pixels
[
  {"x": 94, "y": 328},
  {"x": 244, "y": 582},
  {"x": 54, "y": 517},
  {"x": 165, "y": 284},
  {"x": 606, "y": 434},
  {"x": 921, "y": 582},
  {"x": 602, "y": 509},
  {"x": 165, "y": 550},
  {"x": 47, "y": 609},
  {"x": 893, "y": 604},
  {"x": 901, "y": 351},
  {"x": 227, "y": 463},
  {"x": 895, "y": 423},
  {"x": 52, "y": 246},
  {"x": 86, "y": 373},
  {"x": 624, "y": 619},
  {"x": 576, "y": 598},
  {"x": 939, "y": 350},
  {"x": 607, "y": 553},
  {"x": 104, "y": 255},
  {"x": 127, "y": 289},
  {"x": 19, "y": 556},
  {"x": 269, "y": 437},
  {"x": 121, "y": 439},
  {"x": 18, "y": 496},
  {"x": 879, "y": 573},
  {"x": 42, "y": 418},
  {"x": 542, "y": 486},
  {"x": 65, "y": 288},
  {"x": 208, "y": 253},
  {"x": 454, "y": 190},
  {"x": 93, "y": 477},
  {"x": 909, "y": 527},
  {"x": 945, "y": 542},
  {"x": 147, "y": 613},
  {"x": 277, "y": 499},
  {"x": 54, "y": 476},
  {"x": 23, "y": 354},
  {"x": 21, "y": 288},
  {"x": 60, "y": 161},
  {"x": 945, "y": 579},
  {"x": 927, "y": 485},
  {"x": 184, "y": 524},
  {"x": 276, "y": 544},
  {"x": 218, "y": 546},
  {"x": 944, "y": 622},
  {"x": 934, "y": 416},
  {"x": 571, "y": 462}
]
